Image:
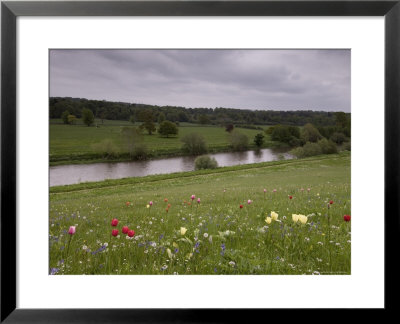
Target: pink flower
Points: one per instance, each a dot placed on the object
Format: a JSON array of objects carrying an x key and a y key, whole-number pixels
[
  {"x": 308, "y": 189},
  {"x": 114, "y": 232},
  {"x": 131, "y": 233},
  {"x": 151, "y": 203},
  {"x": 198, "y": 200},
  {"x": 125, "y": 229},
  {"x": 302, "y": 189},
  {"x": 274, "y": 190},
  {"x": 114, "y": 222},
  {"x": 249, "y": 201},
  {"x": 193, "y": 197},
  {"x": 265, "y": 190},
  {"x": 71, "y": 230}
]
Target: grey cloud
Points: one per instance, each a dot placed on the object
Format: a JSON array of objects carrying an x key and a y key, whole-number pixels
[{"x": 250, "y": 79}]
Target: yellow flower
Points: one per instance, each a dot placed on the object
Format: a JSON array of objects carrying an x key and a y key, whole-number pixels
[
  {"x": 169, "y": 253},
  {"x": 295, "y": 217},
  {"x": 147, "y": 206},
  {"x": 183, "y": 230},
  {"x": 274, "y": 216},
  {"x": 268, "y": 220},
  {"x": 302, "y": 219}
]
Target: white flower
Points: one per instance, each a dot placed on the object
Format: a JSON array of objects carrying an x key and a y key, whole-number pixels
[
  {"x": 232, "y": 263},
  {"x": 205, "y": 235},
  {"x": 84, "y": 247}
]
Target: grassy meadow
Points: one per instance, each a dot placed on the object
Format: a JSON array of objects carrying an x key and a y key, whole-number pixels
[
  {"x": 74, "y": 143},
  {"x": 236, "y": 227}
]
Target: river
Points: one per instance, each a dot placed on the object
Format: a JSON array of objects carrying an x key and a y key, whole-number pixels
[{"x": 77, "y": 173}]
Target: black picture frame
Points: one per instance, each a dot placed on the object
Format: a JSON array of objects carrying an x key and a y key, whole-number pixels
[{"x": 10, "y": 10}]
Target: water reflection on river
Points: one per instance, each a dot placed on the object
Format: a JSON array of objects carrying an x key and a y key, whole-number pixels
[{"x": 76, "y": 173}]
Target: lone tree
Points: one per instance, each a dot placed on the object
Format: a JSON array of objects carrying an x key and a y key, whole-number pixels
[
  {"x": 259, "y": 140},
  {"x": 87, "y": 116},
  {"x": 64, "y": 116},
  {"x": 167, "y": 128},
  {"x": 147, "y": 117}
]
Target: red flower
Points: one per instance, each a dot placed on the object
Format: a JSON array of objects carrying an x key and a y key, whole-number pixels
[
  {"x": 114, "y": 232},
  {"x": 166, "y": 210},
  {"x": 169, "y": 205},
  {"x": 114, "y": 222},
  {"x": 241, "y": 206},
  {"x": 165, "y": 199},
  {"x": 331, "y": 202},
  {"x": 127, "y": 203},
  {"x": 346, "y": 218},
  {"x": 290, "y": 197},
  {"x": 125, "y": 229},
  {"x": 131, "y": 233}
]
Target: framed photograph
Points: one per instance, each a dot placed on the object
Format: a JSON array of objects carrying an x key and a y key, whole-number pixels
[{"x": 163, "y": 158}]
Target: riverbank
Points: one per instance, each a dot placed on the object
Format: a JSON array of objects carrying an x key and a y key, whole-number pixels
[
  {"x": 88, "y": 158},
  {"x": 160, "y": 177}
]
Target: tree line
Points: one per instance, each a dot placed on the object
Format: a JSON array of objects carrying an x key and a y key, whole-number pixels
[{"x": 76, "y": 107}]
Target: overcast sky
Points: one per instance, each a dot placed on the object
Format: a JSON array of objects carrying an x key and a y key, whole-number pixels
[{"x": 249, "y": 79}]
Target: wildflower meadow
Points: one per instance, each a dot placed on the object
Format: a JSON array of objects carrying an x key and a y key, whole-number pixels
[{"x": 292, "y": 217}]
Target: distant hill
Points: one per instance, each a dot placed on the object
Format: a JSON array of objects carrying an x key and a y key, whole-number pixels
[{"x": 217, "y": 116}]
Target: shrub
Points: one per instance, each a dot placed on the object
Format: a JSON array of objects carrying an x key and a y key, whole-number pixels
[
  {"x": 229, "y": 128},
  {"x": 327, "y": 147},
  {"x": 139, "y": 152},
  {"x": 133, "y": 140},
  {"x": 71, "y": 119},
  {"x": 285, "y": 134},
  {"x": 239, "y": 141},
  {"x": 167, "y": 128},
  {"x": 205, "y": 162},
  {"x": 309, "y": 149},
  {"x": 338, "y": 138},
  {"x": 106, "y": 148},
  {"x": 259, "y": 140},
  {"x": 194, "y": 144},
  {"x": 347, "y": 146},
  {"x": 310, "y": 133}
]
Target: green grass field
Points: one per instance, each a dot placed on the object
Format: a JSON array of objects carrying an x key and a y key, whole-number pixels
[
  {"x": 69, "y": 143},
  {"x": 220, "y": 237}
]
